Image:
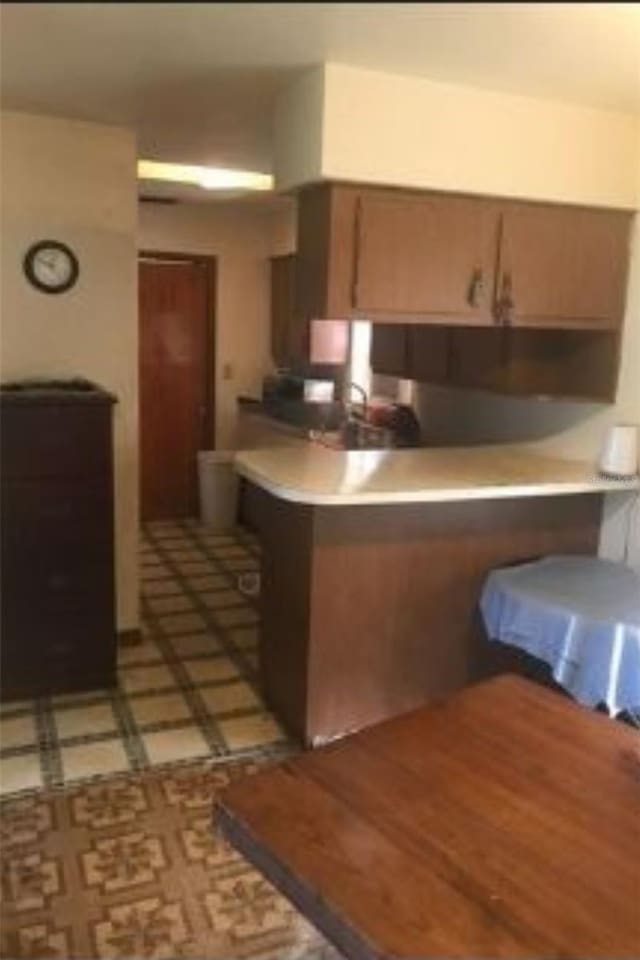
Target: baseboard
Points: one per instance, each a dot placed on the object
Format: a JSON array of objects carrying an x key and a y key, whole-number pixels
[{"x": 129, "y": 638}]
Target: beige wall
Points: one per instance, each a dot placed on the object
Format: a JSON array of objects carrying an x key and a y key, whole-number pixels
[
  {"x": 242, "y": 237},
  {"x": 299, "y": 130},
  {"x": 76, "y": 182},
  {"x": 412, "y": 131}
]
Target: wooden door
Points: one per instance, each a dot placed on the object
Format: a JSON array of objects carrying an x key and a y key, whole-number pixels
[
  {"x": 176, "y": 365},
  {"x": 428, "y": 258},
  {"x": 562, "y": 267}
]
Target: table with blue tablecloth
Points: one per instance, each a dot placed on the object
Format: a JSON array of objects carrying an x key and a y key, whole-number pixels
[{"x": 581, "y": 616}]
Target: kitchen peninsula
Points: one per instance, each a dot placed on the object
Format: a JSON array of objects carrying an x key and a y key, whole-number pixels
[{"x": 373, "y": 562}]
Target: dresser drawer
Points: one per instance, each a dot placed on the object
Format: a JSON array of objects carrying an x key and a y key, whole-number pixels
[
  {"x": 56, "y": 517},
  {"x": 57, "y": 440},
  {"x": 46, "y": 658},
  {"x": 42, "y": 592},
  {"x": 77, "y": 611}
]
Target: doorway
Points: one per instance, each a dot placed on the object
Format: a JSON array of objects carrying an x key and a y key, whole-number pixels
[{"x": 176, "y": 296}]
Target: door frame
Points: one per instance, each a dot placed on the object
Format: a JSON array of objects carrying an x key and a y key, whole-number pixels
[{"x": 211, "y": 268}]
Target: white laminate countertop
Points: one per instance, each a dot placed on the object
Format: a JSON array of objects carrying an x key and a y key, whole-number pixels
[{"x": 317, "y": 475}]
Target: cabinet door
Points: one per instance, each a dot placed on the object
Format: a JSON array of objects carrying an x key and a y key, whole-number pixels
[
  {"x": 567, "y": 364},
  {"x": 425, "y": 258},
  {"x": 412, "y": 351},
  {"x": 389, "y": 349},
  {"x": 428, "y": 350},
  {"x": 562, "y": 267},
  {"x": 480, "y": 358}
]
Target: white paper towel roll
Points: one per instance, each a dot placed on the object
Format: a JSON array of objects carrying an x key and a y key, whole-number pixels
[{"x": 619, "y": 457}]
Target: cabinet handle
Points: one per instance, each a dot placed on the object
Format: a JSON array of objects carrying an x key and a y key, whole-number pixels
[
  {"x": 475, "y": 292},
  {"x": 61, "y": 649},
  {"x": 505, "y": 304}
]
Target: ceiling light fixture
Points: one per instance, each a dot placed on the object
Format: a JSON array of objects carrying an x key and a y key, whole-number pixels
[{"x": 209, "y": 178}]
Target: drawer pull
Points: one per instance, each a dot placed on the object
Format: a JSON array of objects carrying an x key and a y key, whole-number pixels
[
  {"x": 59, "y": 581},
  {"x": 61, "y": 649}
]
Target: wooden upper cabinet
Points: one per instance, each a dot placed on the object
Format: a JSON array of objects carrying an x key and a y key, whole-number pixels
[
  {"x": 401, "y": 256},
  {"x": 284, "y": 345},
  {"x": 562, "y": 267},
  {"x": 428, "y": 257},
  {"x": 324, "y": 259}
]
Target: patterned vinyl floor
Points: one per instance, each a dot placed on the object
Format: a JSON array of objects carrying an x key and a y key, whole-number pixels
[
  {"x": 188, "y": 691},
  {"x": 130, "y": 867}
]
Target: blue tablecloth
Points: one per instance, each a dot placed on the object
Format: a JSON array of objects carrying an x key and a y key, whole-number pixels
[{"x": 581, "y": 615}]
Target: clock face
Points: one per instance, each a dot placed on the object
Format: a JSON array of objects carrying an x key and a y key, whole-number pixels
[{"x": 51, "y": 266}]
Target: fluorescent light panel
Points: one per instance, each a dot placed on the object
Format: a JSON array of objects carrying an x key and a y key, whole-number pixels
[{"x": 209, "y": 178}]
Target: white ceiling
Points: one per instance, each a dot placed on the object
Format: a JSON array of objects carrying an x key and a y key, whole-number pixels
[{"x": 198, "y": 80}]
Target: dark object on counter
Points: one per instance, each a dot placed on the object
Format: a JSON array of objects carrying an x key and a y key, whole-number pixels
[
  {"x": 296, "y": 413},
  {"x": 57, "y": 542},
  {"x": 294, "y": 387},
  {"x": 300, "y": 413},
  {"x": 401, "y": 421},
  {"x": 283, "y": 385},
  {"x": 404, "y": 426}
]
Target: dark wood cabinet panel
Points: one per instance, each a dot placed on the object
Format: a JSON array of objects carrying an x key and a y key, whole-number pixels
[
  {"x": 429, "y": 256},
  {"x": 568, "y": 364},
  {"x": 402, "y": 583},
  {"x": 57, "y": 549},
  {"x": 389, "y": 344},
  {"x": 411, "y": 351},
  {"x": 54, "y": 440},
  {"x": 562, "y": 267},
  {"x": 325, "y": 252},
  {"x": 479, "y": 362},
  {"x": 286, "y": 336},
  {"x": 61, "y": 515},
  {"x": 428, "y": 350}
]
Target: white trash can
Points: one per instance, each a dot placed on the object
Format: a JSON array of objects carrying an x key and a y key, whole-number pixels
[{"x": 218, "y": 489}]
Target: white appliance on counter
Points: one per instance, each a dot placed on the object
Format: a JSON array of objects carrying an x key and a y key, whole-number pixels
[
  {"x": 318, "y": 391},
  {"x": 619, "y": 456}
]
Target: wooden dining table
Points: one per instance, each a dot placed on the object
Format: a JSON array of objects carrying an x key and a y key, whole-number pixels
[{"x": 501, "y": 822}]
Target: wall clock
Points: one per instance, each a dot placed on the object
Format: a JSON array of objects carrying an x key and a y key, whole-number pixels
[{"x": 51, "y": 266}]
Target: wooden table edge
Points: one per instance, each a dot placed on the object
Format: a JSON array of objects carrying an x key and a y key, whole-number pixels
[
  {"x": 309, "y": 901},
  {"x": 327, "y": 921}
]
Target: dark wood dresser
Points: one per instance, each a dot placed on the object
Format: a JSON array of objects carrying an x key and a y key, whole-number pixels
[{"x": 57, "y": 550}]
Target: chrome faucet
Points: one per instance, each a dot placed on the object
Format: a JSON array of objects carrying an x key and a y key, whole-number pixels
[
  {"x": 356, "y": 432},
  {"x": 352, "y": 385}
]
